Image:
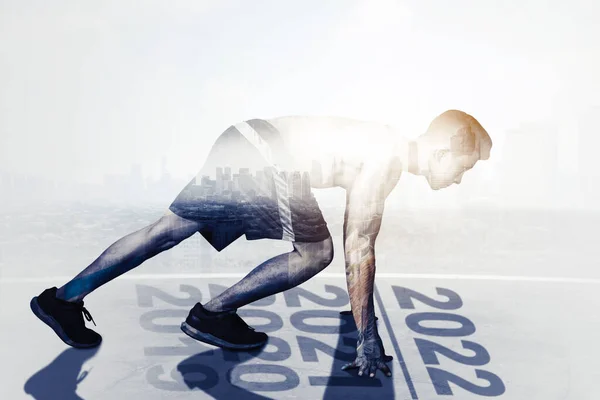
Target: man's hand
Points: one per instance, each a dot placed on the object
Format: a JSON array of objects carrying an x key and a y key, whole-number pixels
[
  {"x": 370, "y": 357},
  {"x": 386, "y": 358}
]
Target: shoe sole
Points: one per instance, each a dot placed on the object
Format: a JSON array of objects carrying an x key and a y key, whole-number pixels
[
  {"x": 52, "y": 323},
  {"x": 215, "y": 341}
]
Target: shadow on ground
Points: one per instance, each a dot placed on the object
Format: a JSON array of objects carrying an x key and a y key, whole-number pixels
[
  {"x": 224, "y": 374},
  {"x": 240, "y": 375},
  {"x": 59, "y": 379}
]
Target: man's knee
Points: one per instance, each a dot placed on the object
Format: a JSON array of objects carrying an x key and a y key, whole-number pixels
[
  {"x": 316, "y": 254},
  {"x": 170, "y": 229}
]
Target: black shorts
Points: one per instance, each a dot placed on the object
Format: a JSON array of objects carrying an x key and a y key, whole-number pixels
[{"x": 248, "y": 186}]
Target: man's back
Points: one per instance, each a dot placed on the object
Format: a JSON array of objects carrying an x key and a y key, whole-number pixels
[{"x": 332, "y": 148}]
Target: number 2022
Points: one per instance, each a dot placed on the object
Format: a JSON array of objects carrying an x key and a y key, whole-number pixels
[{"x": 430, "y": 350}]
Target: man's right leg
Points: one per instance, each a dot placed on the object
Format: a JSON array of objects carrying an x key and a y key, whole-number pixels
[
  {"x": 127, "y": 253},
  {"x": 218, "y": 324}
]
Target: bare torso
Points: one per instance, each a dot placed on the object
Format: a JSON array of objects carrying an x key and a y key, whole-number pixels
[{"x": 333, "y": 149}]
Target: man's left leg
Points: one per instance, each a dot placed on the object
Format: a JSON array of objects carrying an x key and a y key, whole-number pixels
[
  {"x": 275, "y": 275},
  {"x": 217, "y": 322}
]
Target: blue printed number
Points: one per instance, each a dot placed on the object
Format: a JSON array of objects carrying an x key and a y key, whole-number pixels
[
  {"x": 428, "y": 350},
  {"x": 405, "y": 297},
  {"x": 235, "y": 376},
  {"x": 466, "y": 328},
  {"x": 341, "y": 326},
  {"x": 441, "y": 381},
  {"x": 215, "y": 290},
  {"x": 146, "y": 293},
  {"x": 148, "y": 320},
  {"x": 292, "y": 297},
  {"x": 309, "y": 346},
  {"x": 308, "y": 349}
]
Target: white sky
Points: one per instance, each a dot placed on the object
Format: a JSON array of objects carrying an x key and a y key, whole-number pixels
[{"x": 89, "y": 88}]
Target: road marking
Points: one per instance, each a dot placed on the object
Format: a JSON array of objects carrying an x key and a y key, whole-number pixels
[
  {"x": 540, "y": 279},
  {"x": 388, "y": 325}
]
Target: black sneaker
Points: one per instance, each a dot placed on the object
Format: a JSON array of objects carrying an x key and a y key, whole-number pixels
[
  {"x": 66, "y": 319},
  {"x": 226, "y": 330}
]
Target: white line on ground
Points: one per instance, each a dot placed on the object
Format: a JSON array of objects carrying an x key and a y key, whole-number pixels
[{"x": 543, "y": 279}]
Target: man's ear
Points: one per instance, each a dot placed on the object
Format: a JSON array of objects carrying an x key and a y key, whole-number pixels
[{"x": 463, "y": 142}]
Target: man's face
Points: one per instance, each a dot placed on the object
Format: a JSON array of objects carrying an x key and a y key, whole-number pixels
[{"x": 447, "y": 167}]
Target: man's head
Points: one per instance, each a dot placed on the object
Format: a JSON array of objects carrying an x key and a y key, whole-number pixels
[{"x": 453, "y": 143}]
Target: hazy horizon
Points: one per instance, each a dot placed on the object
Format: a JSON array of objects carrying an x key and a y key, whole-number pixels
[{"x": 90, "y": 90}]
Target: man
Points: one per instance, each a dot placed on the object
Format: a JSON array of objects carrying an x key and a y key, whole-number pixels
[{"x": 278, "y": 162}]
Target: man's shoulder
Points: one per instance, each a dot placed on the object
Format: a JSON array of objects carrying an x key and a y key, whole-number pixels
[{"x": 313, "y": 121}]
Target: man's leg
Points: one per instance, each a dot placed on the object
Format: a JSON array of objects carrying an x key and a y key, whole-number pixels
[
  {"x": 275, "y": 275},
  {"x": 127, "y": 253}
]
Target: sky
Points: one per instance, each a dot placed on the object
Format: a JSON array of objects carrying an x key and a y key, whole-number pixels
[{"x": 90, "y": 88}]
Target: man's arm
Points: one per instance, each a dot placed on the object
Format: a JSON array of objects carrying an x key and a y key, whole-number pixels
[{"x": 362, "y": 221}]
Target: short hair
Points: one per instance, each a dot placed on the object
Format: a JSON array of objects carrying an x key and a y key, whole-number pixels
[{"x": 465, "y": 133}]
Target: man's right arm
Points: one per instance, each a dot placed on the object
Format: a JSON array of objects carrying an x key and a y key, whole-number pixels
[{"x": 362, "y": 221}]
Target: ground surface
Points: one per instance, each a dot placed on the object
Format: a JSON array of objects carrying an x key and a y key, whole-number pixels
[{"x": 470, "y": 305}]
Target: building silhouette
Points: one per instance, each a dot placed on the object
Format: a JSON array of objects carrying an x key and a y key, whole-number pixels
[
  {"x": 305, "y": 185},
  {"x": 296, "y": 184},
  {"x": 316, "y": 171},
  {"x": 248, "y": 186}
]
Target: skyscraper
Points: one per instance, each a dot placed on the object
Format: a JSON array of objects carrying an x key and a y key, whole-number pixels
[
  {"x": 296, "y": 184},
  {"x": 316, "y": 172},
  {"x": 284, "y": 176},
  {"x": 245, "y": 179},
  {"x": 305, "y": 185},
  {"x": 283, "y": 185},
  {"x": 260, "y": 183},
  {"x": 270, "y": 182},
  {"x": 219, "y": 181}
]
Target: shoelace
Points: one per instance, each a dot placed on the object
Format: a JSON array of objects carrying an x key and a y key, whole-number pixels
[{"x": 86, "y": 313}]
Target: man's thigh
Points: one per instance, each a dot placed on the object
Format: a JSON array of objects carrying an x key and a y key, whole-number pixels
[
  {"x": 324, "y": 246},
  {"x": 174, "y": 227},
  {"x": 320, "y": 252}
]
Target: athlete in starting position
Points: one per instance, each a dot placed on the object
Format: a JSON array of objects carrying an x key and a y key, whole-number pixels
[{"x": 278, "y": 161}]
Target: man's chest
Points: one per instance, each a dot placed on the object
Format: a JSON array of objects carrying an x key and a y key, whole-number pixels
[{"x": 326, "y": 168}]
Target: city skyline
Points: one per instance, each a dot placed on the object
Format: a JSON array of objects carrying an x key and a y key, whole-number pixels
[
  {"x": 531, "y": 169},
  {"x": 262, "y": 184},
  {"x": 97, "y": 106}
]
